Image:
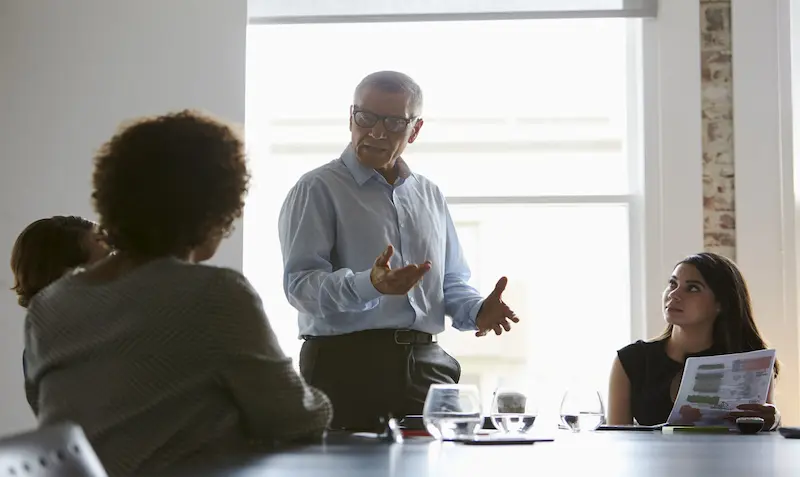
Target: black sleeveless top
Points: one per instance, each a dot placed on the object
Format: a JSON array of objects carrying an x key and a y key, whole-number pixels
[{"x": 651, "y": 373}]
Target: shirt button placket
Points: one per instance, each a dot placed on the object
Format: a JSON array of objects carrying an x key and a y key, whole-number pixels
[{"x": 401, "y": 220}]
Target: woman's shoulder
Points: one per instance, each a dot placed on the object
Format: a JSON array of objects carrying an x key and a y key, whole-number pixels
[
  {"x": 635, "y": 356},
  {"x": 218, "y": 282},
  {"x": 166, "y": 278},
  {"x": 641, "y": 347},
  {"x": 227, "y": 279},
  {"x": 223, "y": 286},
  {"x": 214, "y": 272},
  {"x": 166, "y": 269}
]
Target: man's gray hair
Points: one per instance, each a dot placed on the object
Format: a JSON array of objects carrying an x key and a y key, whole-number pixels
[{"x": 393, "y": 82}]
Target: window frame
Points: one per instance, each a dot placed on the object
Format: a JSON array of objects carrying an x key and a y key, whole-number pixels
[
  {"x": 666, "y": 200},
  {"x": 671, "y": 202},
  {"x": 304, "y": 11},
  {"x": 636, "y": 157}
]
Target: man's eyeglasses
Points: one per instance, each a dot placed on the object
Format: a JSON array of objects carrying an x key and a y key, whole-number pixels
[{"x": 365, "y": 119}]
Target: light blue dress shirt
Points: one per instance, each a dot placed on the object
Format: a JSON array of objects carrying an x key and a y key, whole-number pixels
[{"x": 335, "y": 222}]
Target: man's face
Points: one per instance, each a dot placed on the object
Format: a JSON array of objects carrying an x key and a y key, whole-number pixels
[{"x": 381, "y": 125}]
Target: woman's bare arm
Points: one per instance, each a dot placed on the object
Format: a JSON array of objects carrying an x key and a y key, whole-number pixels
[{"x": 619, "y": 396}]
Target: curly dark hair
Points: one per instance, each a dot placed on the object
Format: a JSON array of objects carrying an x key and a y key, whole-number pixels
[
  {"x": 163, "y": 185},
  {"x": 45, "y": 250}
]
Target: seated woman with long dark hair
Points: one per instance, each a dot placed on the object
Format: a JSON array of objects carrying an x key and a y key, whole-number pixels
[
  {"x": 707, "y": 309},
  {"x": 47, "y": 248},
  {"x": 43, "y": 252},
  {"x": 163, "y": 360}
]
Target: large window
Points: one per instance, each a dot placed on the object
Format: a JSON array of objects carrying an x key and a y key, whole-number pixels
[{"x": 528, "y": 131}]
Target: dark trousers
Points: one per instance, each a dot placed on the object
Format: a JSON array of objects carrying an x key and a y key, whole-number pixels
[{"x": 367, "y": 375}]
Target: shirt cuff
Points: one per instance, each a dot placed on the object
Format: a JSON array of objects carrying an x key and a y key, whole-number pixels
[
  {"x": 364, "y": 287},
  {"x": 473, "y": 314}
]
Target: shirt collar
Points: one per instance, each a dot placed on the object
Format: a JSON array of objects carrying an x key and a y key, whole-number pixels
[{"x": 362, "y": 173}]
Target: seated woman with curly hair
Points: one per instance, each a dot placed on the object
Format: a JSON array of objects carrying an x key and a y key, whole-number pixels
[
  {"x": 162, "y": 360},
  {"x": 43, "y": 253}
]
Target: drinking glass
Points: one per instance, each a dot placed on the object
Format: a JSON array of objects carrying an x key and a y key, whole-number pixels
[
  {"x": 452, "y": 411},
  {"x": 514, "y": 409},
  {"x": 582, "y": 409}
]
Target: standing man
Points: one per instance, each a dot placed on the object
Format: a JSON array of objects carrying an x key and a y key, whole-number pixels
[{"x": 373, "y": 264}]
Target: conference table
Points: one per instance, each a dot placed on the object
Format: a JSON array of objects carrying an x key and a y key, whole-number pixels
[{"x": 599, "y": 453}]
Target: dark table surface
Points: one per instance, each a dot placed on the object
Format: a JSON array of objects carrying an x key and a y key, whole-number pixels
[{"x": 613, "y": 453}]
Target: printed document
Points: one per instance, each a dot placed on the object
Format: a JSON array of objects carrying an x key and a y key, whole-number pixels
[{"x": 713, "y": 386}]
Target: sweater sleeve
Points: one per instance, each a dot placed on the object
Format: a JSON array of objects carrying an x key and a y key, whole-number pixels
[{"x": 276, "y": 403}]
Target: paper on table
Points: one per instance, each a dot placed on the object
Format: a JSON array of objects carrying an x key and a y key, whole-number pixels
[{"x": 713, "y": 386}]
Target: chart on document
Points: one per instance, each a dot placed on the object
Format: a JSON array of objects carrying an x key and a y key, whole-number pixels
[{"x": 713, "y": 386}]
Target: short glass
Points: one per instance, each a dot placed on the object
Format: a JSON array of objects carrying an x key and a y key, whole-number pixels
[
  {"x": 582, "y": 409},
  {"x": 452, "y": 411},
  {"x": 514, "y": 409}
]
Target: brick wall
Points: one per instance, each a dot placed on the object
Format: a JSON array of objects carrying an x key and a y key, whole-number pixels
[{"x": 719, "y": 206}]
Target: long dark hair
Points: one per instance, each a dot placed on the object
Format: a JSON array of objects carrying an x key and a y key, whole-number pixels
[
  {"x": 735, "y": 330},
  {"x": 45, "y": 250}
]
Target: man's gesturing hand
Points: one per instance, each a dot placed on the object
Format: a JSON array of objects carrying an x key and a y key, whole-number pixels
[
  {"x": 399, "y": 281},
  {"x": 494, "y": 314}
]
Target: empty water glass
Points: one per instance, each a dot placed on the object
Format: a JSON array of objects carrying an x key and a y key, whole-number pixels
[
  {"x": 452, "y": 411},
  {"x": 514, "y": 409},
  {"x": 582, "y": 409}
]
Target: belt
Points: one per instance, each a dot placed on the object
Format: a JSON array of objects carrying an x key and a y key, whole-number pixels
[{"x": 399, "y": 337}]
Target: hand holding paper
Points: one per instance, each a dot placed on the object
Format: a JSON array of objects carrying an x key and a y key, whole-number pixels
[{"x": 715, "y": 389}]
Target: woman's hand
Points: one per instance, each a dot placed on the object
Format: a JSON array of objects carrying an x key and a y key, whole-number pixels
[
  {"x": 768, "y": 412},
  {"x": 690, "y": 415}
]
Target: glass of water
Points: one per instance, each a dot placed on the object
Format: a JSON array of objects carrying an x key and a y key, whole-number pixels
[
  {"x": 582, "y": 409},
  {"x": 514, "y": 409},
  {"x": 452, "y": 411}
]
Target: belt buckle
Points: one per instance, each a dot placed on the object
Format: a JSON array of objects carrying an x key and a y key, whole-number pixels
[{"x": 398, "y": 340}]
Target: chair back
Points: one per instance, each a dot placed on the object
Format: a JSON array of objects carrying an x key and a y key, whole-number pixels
[{"x": 55, "y": 451}]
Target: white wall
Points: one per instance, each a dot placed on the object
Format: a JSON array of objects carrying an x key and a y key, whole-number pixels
[
  {"x": 793, "y": 155},
  {"x": 673, "y": 146},
  {"x": 70, "y": 71},
  {"x": 765, "y": 197}
]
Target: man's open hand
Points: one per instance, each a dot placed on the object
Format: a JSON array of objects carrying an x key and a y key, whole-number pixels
[
  {"x": 395, "y": 281},
  {"x": 494, "y": 313}
]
